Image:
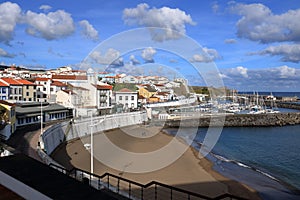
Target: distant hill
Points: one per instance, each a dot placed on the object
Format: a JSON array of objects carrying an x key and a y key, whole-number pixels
[{"x": 207, "y": 90}]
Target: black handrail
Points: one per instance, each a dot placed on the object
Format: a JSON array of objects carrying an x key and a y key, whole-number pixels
[{"x": 155, "y": 183}]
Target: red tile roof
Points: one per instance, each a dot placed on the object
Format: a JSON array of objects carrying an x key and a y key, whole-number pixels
[
  {"x": 41, "y": 79},
  {"x": 3, "y": 84},
  {"x": 58, "y": 84},
  {"x": 103, "y": 87},
  {"x": 25, "y": 82},
  {"x": 125, "y": 90},
  {"x": 69, "y": 77},
  {"x": 11, "y": 81}
]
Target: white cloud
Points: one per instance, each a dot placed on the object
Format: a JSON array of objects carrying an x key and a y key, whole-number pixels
[
  {"x": 133, "y": 60},
  {"x": 288, "y": 52},
  {"x": 50, "y": 26},
  {"x": 9, "y": 16},
  {"x": 111, "y": 57},
  {"x": 286, "y": 72},
  {"x": 45, "y": 7},
  {"x": 88, "y": 30},
  {"x": 172, "y": 20},
  {"x": 239, "y": 71},
  {"x": 147, "y": 54},
  {"x": 215, "y": 7},
  {"x": 259, "y": 23},
  {"x": 230, "y": 41},
  {"x": 3, "y": 53},
  {"x": 208, "y": 55},
  {"x": 283, "y": 78}
]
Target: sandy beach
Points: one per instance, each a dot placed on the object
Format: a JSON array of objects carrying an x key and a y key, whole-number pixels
[{"x": 187, "y": 172}]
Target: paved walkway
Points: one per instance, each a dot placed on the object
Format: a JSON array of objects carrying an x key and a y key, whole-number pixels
[{"x": 26, "y": 140}]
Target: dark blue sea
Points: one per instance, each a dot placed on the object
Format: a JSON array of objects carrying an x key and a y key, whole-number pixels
[{"x": 265, "y": 158}]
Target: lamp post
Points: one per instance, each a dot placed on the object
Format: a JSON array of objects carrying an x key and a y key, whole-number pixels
[
  {"x": 92, "y": 145},
  {"x": 92, "y": 140},
  {"x": 41, "y": 117}
]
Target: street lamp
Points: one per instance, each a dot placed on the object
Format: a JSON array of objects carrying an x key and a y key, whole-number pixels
[
  {"x": 41, "y": 117},
  {"x": 92, "y": 140}
]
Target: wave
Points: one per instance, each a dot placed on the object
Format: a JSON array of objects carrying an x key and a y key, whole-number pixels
[
  {"x": 224, "y": 159},
  {"x": 197, "y": 145}
]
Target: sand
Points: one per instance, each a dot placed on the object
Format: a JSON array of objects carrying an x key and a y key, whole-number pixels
[{"x": 187, "y": 172}]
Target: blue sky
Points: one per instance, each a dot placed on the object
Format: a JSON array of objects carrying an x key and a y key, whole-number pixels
[{"x": 250, "y": 45}]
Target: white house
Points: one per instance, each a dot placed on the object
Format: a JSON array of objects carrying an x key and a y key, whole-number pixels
[{"x": 127, "y": 98}]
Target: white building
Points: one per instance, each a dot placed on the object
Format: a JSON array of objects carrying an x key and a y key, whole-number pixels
[{"x": 127, "y": 98}]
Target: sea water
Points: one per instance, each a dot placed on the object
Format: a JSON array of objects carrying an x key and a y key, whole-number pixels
[{"x": 265, "y": 158}]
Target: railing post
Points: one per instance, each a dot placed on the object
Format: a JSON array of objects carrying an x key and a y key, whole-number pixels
[
  {"x": 171, "y": 193},
  {"x": 108, "y": 181},
  {"x": 118, "y": 186},
  {"x": 142, "y": 193},
  {"x": 155, "y": 192},
  {"x": 129, "y": 192},
  {"x": 99, "y": 183}
]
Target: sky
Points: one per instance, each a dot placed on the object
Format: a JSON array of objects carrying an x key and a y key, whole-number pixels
[{"x": 245, "y": 45}]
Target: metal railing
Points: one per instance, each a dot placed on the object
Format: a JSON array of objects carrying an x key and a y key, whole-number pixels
[{"x": 134, "y": 190}]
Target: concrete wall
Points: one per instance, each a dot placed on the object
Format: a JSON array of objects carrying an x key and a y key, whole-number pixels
[{"x": 58, "y": 133}]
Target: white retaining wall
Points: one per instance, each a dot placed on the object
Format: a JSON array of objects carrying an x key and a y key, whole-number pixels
[{"x": 56, "y": 134}]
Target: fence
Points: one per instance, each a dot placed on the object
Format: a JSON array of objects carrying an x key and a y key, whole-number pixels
[{"x": 134, "y": 190}]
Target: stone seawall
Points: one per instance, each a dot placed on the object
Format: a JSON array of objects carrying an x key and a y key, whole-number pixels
[
  {"x": 288, "y": 105},
  {"x": 241, "y": 120}
]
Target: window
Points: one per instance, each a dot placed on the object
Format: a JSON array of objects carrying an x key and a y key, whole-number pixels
[
  {"x": 29, "y": 99},
  {"x": 34, "y": 87},
  {"x": 132, "y": 98},
  {"x": 3, "y": 90},
  {"x": 120, "y": 98},
  {"x": 27, "y": 87},
  {"x": 20, "y": 91},
  {"x": 15, "y": 91},
  {"x": 38, "y": 89},
  {"x": 27, "y": 93},
  {"x": 51, "y": 89},
  {"x": 44, "y": 89},
  {"x": 126, "y": 98}
]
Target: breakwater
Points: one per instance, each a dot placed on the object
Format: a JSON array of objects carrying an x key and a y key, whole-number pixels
[
  {"x": 288, "y": 105},
  {"x": 240, "y": 120}
]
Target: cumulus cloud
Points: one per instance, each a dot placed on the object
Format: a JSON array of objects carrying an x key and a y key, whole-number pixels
[
  {"x": 147, "y": 54},
  {"x": 9, "y": 16},
  {"x": 111, "y": 57},
  {"x": 239, "y": 71},
  {"x": 230, "y": 41},
  {"x": 50, "y": 26},
  {"x": 88, "y": 30},
  {"x": 3, "y": 53},
  {"x": 280, "y": 78},
  {"x": 215, "y": 7},
  {"x": 45, "y": 7},
  {"x": 173, "y": 21},
  {"x": 133, "y": 60},
  {"x": 285, "y": 71},
  {"x": 287, "y": 52},
  {"x": 259, "y": 23},
  {"x": 208, "y": 55}
]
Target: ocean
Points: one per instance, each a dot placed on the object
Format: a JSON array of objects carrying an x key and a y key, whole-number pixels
[{"x": 265, "y": 158}]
